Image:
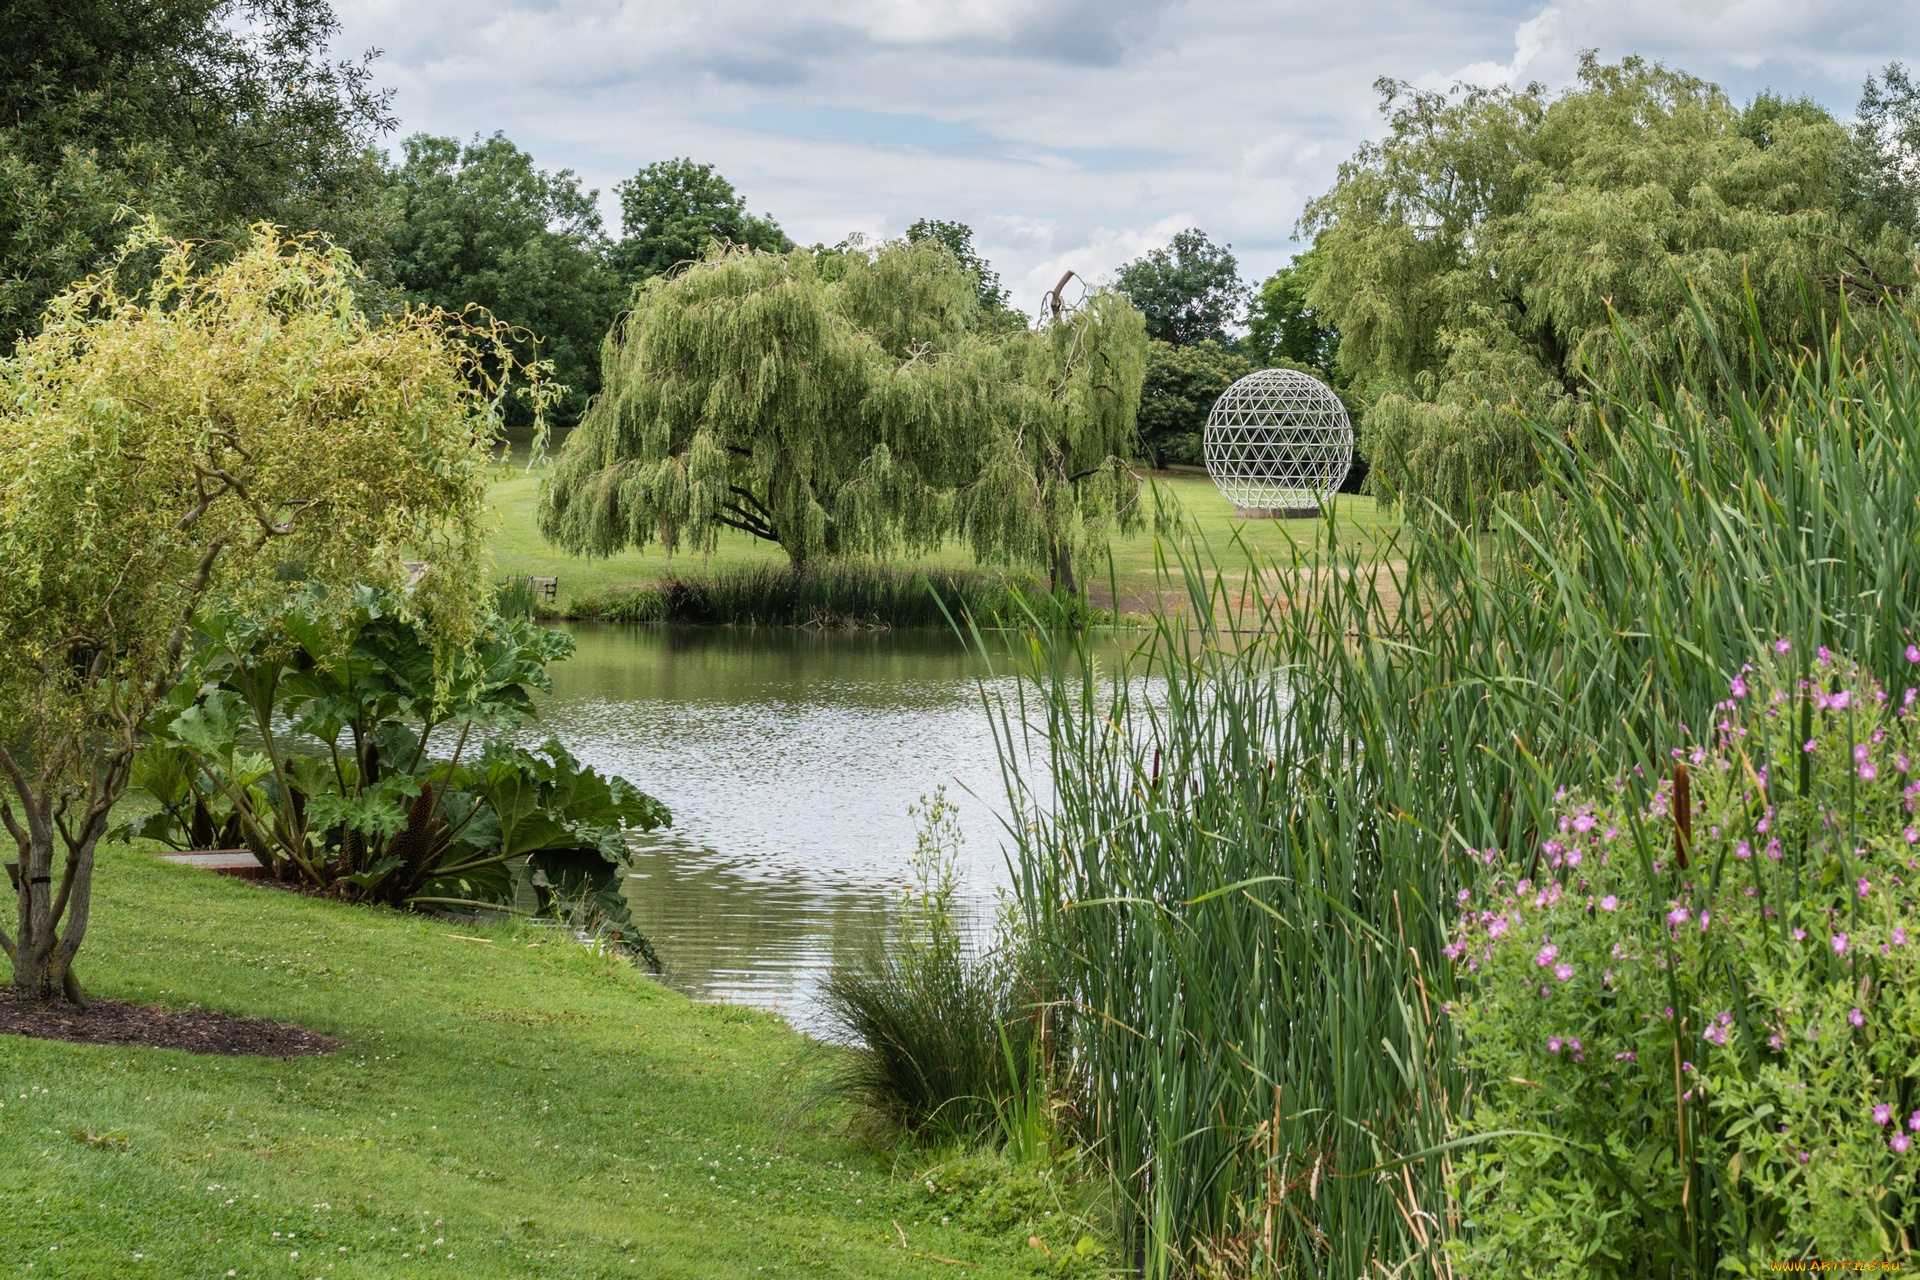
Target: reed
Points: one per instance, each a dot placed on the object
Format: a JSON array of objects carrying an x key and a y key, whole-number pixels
[
  {"x": 1239, "y": 882},
  {"x": 842, "y": 595}
]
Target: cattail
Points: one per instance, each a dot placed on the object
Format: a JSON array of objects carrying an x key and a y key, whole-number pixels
[{"x": 1682, "y": 813}]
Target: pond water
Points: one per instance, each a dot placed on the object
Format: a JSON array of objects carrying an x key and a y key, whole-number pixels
[{"x": 789, "y": 759}]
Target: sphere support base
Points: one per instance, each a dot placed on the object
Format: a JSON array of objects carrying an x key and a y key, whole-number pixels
[{"x": 1276, "y": 513}]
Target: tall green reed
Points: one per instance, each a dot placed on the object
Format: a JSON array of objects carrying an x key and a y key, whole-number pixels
[{"x": 1240, "y": 881}]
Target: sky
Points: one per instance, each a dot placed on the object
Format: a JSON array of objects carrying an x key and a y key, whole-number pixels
[{"x": 1069, "y": 134}]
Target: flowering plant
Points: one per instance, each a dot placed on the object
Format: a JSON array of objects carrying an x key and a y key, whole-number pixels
[{"x": 1694, "y": 1009}]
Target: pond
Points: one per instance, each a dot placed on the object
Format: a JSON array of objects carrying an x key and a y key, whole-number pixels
[{"x": 789, "y": 759}]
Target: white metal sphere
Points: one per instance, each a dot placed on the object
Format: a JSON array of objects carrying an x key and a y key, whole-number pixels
[{"x": 1278, "y": 441}]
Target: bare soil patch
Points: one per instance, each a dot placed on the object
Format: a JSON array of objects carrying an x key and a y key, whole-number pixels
[{"x": 193, "y": 1030}]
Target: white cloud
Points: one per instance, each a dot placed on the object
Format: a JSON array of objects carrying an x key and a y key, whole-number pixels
[{"x": 1066, "y": 132}]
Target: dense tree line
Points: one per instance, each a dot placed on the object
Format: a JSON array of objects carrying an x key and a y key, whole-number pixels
[
  {"x": 1483, "y": 261},
  {"x": 1467, "y": 267}
]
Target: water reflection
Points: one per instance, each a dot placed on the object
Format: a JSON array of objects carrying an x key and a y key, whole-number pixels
[{"x": 789, "y": 759}]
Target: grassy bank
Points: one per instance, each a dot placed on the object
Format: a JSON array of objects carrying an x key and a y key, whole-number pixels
[
  {"x": 506, "y": 1104},
  {"x": 520, "y": 551}
]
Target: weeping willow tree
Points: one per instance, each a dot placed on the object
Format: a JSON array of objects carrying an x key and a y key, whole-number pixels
[
  {"x": 814, "y": 400},
  {"x": 1052, "y": 481},
  {"x": 851, "y": 401}
]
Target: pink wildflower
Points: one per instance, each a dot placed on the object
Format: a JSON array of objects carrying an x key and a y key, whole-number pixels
[
  {"x": 1839, "y": 944},
  {"x": 1859, "y": 1019},
  {"x": 1563, "y": 971},
  {"x": 1609, "y": 903},
  {"x": 1900, "y": 1142}
]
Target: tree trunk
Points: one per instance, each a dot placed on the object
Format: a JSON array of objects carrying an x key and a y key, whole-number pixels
[
  {"x": 1064, "y": 583},
  {"x": 41, "y": 951}
]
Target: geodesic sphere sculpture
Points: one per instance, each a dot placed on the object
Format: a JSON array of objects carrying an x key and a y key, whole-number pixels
[{"x": 1277, "y": 443}]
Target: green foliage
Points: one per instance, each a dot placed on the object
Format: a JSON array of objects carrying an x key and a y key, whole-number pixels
[
  {"x": 1238, "y": 857},
  {"x": 1178, "y": 391},
  {"x": 672, "y": 210},
  {"x": 950, "y": 1039},
  {"x": 1887, "y": 129},
  {"x": 337, "y": 749},
  {"x": 957, "y": 238},
  {"x": 1734, "y": 1028},
  {"x": 851, "y": 401},
  {"x": 1476, "y": 260},
  {"x": 1189, "y": 291},
  {"x": 1284, "y": 328},
  {"x": 205, "y": 114},
  {"x": 1051, "y": 484},
  {"x": 481, "y": 224},
  {"x": 228, "y": 429}
]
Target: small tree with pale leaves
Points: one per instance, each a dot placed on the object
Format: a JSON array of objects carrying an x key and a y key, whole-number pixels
[{"x": 232, "y": 429}]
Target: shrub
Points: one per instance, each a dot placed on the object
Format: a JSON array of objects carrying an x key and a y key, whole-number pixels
[
  {"x": 351, "y": 755},
  {"x": 947, "y": 1035},
  {"x": 1695, "y": 1007}
]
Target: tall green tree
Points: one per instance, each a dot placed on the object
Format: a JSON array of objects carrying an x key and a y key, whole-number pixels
[
  {"x": 671, "y": 209},
  {"x": 810, "y": 399},
  {"x": 1887, "y": 128},
  {"x": 854, "y": 400},
  {"x": 1474, "y": 261},
  {"x": 1178, "y": 391},
  {"x": 1282, "y": 325},
  {"x": 1189, "y": 291},
  {"x": 207, "y": 114},
  {"x": 1052, "y": 482},
  {"x": 480, "y": 223},
  {"x": 212, "y": 437},
  {"x": 957, "y": 237}
]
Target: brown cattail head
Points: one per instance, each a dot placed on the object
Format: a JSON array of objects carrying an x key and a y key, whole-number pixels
[{"x": 1682, "y": 813}]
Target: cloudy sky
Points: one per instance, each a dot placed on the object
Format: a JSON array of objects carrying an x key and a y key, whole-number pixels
[{"x": 1067, "y": 133}]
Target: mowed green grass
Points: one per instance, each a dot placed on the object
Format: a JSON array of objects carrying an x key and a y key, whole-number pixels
[
  {"x": 506, "y": 1104},
  {"x": 519, "y": 549}
]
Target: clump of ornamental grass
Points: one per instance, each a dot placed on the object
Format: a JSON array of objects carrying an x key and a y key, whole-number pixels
[
  {"x": 948, "y": 1035},
  {"x": 1695, "y": 1006}
]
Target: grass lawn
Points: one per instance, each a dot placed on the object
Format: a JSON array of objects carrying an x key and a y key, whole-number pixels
[
  {"x": 519, "y": 549},
  {"x": 506, "y": 1104}
]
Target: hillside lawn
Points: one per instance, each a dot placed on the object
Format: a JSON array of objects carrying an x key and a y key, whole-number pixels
[
  {"x": 519, "y": 549},
  {"x": 506, "y": 1104}
]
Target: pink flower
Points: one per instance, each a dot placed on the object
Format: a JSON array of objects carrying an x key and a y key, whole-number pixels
[
  {"x": 1863, "y": 886},
  {"x": 1583, "y": 823},
  {"x": 1842, "y": 700},
  {"x": 1677, "y": 916},
  {"x": 1882, "y": 1113},
  {"x": 1811, "y": 744},
  {"x": 1743, "y": 850},
  {"x": 1899, "y": 936},
  {"x": 1563, "y": 971},
  {"x": 1773, "y": 850},
  {"x": 1867, "y": 771},
  {"x": 1553, "y": 1044},
  {"x": 1859, "y": 752},
  {"x": 1839, "y": 944},
  {"x": 1609, "y": 903},
  {"x": 1913, "y": 653},
  {"x": 1799, "y": 935},
  {"x": 1630, "y": 1056},
  {"x": 1859, "y": 1019},
  {"x": 1781, "y": 645},
  {"x": 1913, "y": 1122},
  {"x": 1547, "y": 953},
  {"x": 1912, "y": 836},
  {"x": 1900, "y": 1142},
  {"x": 1739, "y": 687}
]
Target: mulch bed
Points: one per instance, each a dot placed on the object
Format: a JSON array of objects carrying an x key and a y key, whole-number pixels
[{"x": 194, "y": 1030}]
